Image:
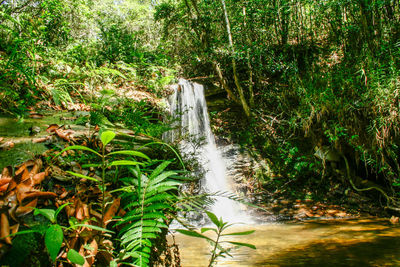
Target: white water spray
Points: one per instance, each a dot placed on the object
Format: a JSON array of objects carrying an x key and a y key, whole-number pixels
[{"x": 188, "y": 102}]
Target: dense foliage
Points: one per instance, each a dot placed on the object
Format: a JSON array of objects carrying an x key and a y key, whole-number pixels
[
  {"x": 316, "y": 83},
  {"x": 316, "y": 76},
  {"x": 67, "y": 49}
]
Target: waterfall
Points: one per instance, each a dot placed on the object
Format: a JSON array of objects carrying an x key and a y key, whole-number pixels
[{"x": 189, "y": 103}]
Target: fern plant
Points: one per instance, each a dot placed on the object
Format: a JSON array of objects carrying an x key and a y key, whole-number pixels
[{"x": 147, "y": 198}]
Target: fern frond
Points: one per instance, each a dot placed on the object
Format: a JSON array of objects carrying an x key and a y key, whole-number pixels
[{"x": 146, "y": 209}]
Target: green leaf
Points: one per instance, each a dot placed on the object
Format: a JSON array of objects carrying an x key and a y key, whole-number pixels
[
  {"x": 75, "y": 257},
  {"x": 113, "y": 264},
  {"x": 125, "y": 163},
  {"x": 77, "y": 148},
  {"x": 129, "y": 152},
  {"x": 106, "y": 137},
  {"x": 48, "y": 213},
  {"x": 53, "y": 240},
  {"x": 242, "y": 244},
  {"x": 93, "y": 227},
  {"x": 161, "y": 177},
  {"x": 91, "y": 165},
  {"x": 159, "y": 169},
  {"x": 60, "y": 208},
  {"x": 213, "y": 218},
  {"x": 83, "y": 176},
  {"x": 193, "y": 233},
  {"x": 241, "y": 233},
  {"x": 26, "y": 232},
  {"x": 206, "y": 229}
]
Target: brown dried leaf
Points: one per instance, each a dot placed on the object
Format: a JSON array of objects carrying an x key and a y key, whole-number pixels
[
  {"x": 28, "y": 208},
  {"x": 35, "y": 115},
  {"x": 3, "y": 188},
  {"x": 95, "y": 213},
  {"x": 7, "y": 145},
  {"x": 79, "y": 213},
  {"x": 5, "y": 228},
  {"x": 112, "y": 210},
  {"x": 14, "y": 229},
  {"x": 63, "y": 195},
  {"x": 22, "y": 191},
  {"x": 41, "y": 140},
  {"x": 38, "y": 178},
  {"x": 52, "y": 128},
  {"x": 62, "y": 134},
  {"x": 7, "y": 172},
  {"x": 40, "y": 194},
  {"x": 91, "y": 254},
  {"x": 5, "y": 181}
]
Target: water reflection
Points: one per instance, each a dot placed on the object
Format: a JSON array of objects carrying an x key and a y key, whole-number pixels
[{"x": 367, "y": 242}]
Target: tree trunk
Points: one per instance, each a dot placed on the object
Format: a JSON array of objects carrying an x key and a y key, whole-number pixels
[{"x": 245, "y": 106}]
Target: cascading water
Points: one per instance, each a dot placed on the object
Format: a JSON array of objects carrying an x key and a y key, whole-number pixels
[{"x": 188, "y": 102}]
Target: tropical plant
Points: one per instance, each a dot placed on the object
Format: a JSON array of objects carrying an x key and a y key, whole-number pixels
[
  {"x": 55, "y": 234},
  {"x": 217, "y": 250},
  {"x": 147, "y": 197}
]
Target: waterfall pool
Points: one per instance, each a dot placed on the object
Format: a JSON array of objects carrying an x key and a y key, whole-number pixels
[{"x": 350, "y": 242}]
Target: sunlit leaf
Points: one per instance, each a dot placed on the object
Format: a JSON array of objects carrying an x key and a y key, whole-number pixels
[
  {"x": 53, "y": 240},
  {"x": 83, "y": 176},
  {"x": 241, "y": 233},
  {"x": 106, "y": 137},
  {"x": 206, "y": 229},
  {"x": 48, "y": 213},
  {"x": 93, "y": 227},
  {"x": 125, "y": 163},
  {"x": 192, "y": 233},
  {"x": 213, "y": 218}
]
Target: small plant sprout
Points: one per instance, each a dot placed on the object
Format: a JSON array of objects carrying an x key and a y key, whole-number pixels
[{"x": 218, "y": 250}]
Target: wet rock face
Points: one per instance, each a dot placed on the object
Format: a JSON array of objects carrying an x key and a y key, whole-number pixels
[{"x": 240, "y": 168}]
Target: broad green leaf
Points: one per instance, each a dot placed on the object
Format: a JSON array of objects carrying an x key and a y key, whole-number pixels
[
  {"x": 113, "y": 264},
  {"x": 192, "y": 233},
  {"x": 125, "y": 163},
  {"x": 93, "y": 227},
  {"x": 213, "y": 218},
  {"x": 83, "y": 176},
  {"x": 78, "y": 148},
  {"x": 48, "y": 213},
  {"x": 75, "y": 257},
  {"x": 242, "y": 244},
  {"x": 53, "y": 240},
  {"x": 106, "y": 137},
  {"x": 240, "y": 233},
  {"x": 129, "y": 152}
]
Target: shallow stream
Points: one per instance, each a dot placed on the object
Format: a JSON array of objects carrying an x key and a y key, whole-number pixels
[{"x": 351, "y": 242}]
